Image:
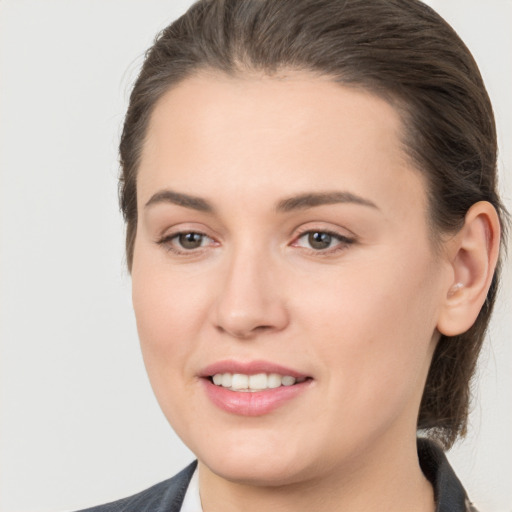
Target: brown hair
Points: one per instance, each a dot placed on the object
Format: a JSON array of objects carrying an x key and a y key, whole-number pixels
[{"x": 399, "y": 49}]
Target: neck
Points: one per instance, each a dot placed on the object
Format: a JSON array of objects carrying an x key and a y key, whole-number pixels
[{"x": 383, "y": 479}]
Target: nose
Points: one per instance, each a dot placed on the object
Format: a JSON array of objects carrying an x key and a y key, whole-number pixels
[{"x": 250, "y": 301}]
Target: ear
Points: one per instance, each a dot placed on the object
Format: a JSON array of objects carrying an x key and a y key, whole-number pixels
[{"x": 473, "y": 254}]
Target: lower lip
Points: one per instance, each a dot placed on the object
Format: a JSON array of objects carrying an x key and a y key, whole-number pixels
[{"x": 252, "y": 403}]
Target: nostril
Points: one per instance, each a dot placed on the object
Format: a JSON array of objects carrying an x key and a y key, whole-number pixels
[
  {"x": 245, "y": 334},
  {"x": 262, "y": 328}
]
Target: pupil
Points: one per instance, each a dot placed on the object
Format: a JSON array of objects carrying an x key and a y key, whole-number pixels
[
  {"x": 190, "y": 240},
  {"x": 319, "y": 240}
]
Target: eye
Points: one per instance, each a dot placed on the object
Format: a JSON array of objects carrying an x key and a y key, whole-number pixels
[
  {"x": 190, "y": 240},
  {"x": 185, "y": 241},
  {"x": 319, "y": 240},
  {"x": 326, "y": 241}
]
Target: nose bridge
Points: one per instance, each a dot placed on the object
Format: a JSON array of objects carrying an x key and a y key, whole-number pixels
[{"x": 250, "y": 300}]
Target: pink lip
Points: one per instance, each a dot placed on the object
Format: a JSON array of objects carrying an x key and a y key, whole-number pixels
[{"x": 255, "y": 403}]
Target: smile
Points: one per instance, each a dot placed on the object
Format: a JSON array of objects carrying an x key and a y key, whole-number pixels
[
  {"x": 252, "y": 388},
  {"x": 251, "y": 383}
]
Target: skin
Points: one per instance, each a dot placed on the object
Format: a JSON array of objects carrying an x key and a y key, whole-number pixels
[{"x": 360, "y": 318}]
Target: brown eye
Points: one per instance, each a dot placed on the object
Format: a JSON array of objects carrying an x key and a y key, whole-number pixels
[
  {"x": 323, "y": 242},
  {"x": 319, "y": 240},
  {"x": 190, "y": 240}
]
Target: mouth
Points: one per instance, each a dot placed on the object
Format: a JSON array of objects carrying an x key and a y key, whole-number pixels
[
  {"x": 252, "y": 389},
  {"x": 245, "y": 383}
]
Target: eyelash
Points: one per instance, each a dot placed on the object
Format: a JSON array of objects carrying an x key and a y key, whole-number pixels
[
  {"x": 167, "y": 242},
  {"x": 343, "y": 242}
]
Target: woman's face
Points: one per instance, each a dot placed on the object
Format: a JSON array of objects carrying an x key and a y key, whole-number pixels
[{"x": 283, "y": 233}]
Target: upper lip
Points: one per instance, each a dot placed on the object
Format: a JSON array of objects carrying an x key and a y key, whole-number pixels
[{"x": 249, "y": 368}]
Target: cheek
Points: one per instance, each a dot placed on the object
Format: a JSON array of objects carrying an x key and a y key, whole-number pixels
[
  {"x": 169, "y": 315},
  {"x": 169, "y": 309},
  {"x": 373, "y": 327},
  {"x": 373, "y": 301}
]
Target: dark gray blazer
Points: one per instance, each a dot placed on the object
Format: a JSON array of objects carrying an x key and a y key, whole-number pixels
[{"x": 167, "y": 496}]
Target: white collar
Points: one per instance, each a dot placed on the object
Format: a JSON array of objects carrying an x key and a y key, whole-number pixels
[{"x": 192, "y": 500}]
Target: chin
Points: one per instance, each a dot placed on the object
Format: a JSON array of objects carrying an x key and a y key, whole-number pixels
[
  {"x": 261, "y": 472},
  {"x": 258, "y": 463}
]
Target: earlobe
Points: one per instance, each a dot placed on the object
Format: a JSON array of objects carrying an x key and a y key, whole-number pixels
[{"x": 473, "y": 255}]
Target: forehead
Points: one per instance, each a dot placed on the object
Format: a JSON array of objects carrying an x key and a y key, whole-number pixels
[
  {"x": 291, "y": 106},
  {"x": 260, "y": 134}
]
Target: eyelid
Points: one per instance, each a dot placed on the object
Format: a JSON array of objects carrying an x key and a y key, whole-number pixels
[
  {"x": 344, "y": 240},
  {"x": 338, "y": 232},
  {"x": 166, "y": 241}
]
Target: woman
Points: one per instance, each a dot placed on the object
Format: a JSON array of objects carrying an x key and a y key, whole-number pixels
[{"x": 313, "y": 233}]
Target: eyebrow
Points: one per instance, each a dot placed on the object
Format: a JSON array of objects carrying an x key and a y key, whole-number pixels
[
  {"x": 179, "y": 199},
  {"x": 298, "y": 202},
  {"x": 310, "y": 200}
]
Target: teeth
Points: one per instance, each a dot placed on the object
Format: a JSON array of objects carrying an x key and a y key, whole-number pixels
[
  {"x": 227, "y": 378},
  {"x": 274, "y": 380},
  {"x": 239, "y": 381},
  {"x": 258, "y": 382},
  {"x": 288, "y": 381}
]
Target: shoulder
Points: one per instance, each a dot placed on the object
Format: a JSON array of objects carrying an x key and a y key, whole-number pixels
[
  {"x": 166, "y": 496},
  {"x": 470, "y": 507},
  {"x": 449, "y": 493}
]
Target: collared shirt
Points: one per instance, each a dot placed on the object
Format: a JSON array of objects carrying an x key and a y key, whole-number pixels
[
  {"x": 192, "y": 500},
  {"x": 181, "y": 492},
  {"x": 448, "y": 491}
]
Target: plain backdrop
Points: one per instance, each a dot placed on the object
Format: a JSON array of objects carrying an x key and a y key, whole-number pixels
[{"x": 79, "y": 423}]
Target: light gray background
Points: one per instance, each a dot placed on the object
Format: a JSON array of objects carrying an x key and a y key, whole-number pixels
[{"x": 79, "y": 423}]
